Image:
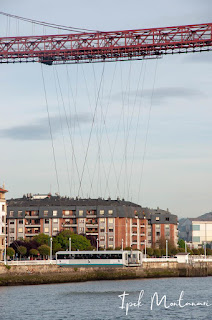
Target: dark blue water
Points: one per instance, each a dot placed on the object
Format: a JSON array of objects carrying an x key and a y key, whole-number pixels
[{"x": 100, "y": 300}]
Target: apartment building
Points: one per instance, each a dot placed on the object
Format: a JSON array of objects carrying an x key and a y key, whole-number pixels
[
  {"x": 161, "y": 225},
  {"x": 3, "y": 212},
  {"x": 111, "y": 222}
]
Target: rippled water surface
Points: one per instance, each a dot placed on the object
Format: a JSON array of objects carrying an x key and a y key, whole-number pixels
[{"x": 100, "y": 300}]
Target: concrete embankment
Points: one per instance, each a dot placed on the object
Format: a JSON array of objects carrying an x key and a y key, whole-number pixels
[{"x": 46, "y": 274}]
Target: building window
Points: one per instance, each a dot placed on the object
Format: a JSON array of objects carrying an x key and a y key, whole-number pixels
[
  {"x": 102, "y": 220},
  {"x": 102, "y": 238},
  {"x": 47, "y": 221},
  {"x": 2, "y": 242},
  {"x": 46, "y": 230},
  {"x": 20, "y": 230},
  {"x": 157, "y": 218},
  {"x": 167, "y": 234},
  {"x": 3, "y": 207},
  {"x": 157, "y": 226},
  {"x": 2, "y": 229},
  {"x": 157, "y": 233},
  {"x": 110, "y": 211},
  {"x": 19, "y": 213},
  {"x": 167, "y": 218},
  {"x": 55, "y": 230},
  {"x": 102, "y": 229},
  {"x": 11, "y": 213},
  {"x": 196, "y": 227},
  {"x": 54, "y": 213},
  {"x": 20, "y": 221},
  {"x": 101, "y": 212},
  {"x": 55, "y": 220},
  {"x": 46, "y": 213},
  {"x": 81, "y": 220},
  {"x": 12, "y": 222},
  {"x": 81, "y": 229},
  {"x": 196, "y": 239},
  {"x": 110, "y": 220},
  {"x": 80, "y": 213},
  {"x": 167, "y": 226},
  {"x": 12, "y": 230},
  {"x": 12, "y": 239},
  {"x": 110, "y": 229},
  {"x": 110, "y": 238}
]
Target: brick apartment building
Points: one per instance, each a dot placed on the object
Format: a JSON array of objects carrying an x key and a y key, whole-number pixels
[
  {"x": 161, "y": 225},
  {"x": 109, "y": 221}
]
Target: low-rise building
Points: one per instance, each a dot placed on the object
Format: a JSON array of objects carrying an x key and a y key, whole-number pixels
[{"x": 196, "y": 231}]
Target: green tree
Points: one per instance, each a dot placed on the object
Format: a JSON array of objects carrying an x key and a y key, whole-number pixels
[
  {"x": 208, "y": 251},
  {"x": 174, "y": 251},
  {"x": 163, "y": 252},
  {"x": 201, "y": 251},
  {"x": 44, "y": 250},
  {"x": 149, "y": 251},
  {"x": 157, "y": 252},
  {"x": 162, "y": 243},
  {"x": 181, "y": 243},
  {"x": 22, "y": 250},
  {"x": 10, "y": 252},
  {"x": 56, "y": 246},
  {"x": 78, "y": 242},
  {"x": 196, "y": 252},
  {"x": 42, "y": 239},
  {"x": 33, "y": 252}
]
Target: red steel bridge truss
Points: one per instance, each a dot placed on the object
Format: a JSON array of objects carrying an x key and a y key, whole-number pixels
[{"x": 106, "y": 46}]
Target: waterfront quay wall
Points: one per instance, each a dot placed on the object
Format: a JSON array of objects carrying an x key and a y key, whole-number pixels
[{"x": 51, "y": 273}]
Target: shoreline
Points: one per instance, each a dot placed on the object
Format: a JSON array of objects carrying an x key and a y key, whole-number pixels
[{"x": 52, "y": 274}]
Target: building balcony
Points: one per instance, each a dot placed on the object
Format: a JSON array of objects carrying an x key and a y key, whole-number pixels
[
  {"x": 31, "y": 234},
  {"x": 91, "y": 233},
  {"x": 30, "y": 225},
  {"x": 68, "y": 216},
  {"x": 69, "y": 225},
  {"x": 29, "y": 217},
  {"x": 90, "y": 225}
]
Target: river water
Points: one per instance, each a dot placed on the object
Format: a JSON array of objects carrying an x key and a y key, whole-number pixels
[{"x": 100, "y": 300}]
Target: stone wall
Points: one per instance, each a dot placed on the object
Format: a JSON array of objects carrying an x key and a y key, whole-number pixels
[{"x": 44, "y": 274}]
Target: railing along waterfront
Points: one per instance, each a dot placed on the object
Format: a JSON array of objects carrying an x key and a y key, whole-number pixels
[{"x": 30, "y": 262}]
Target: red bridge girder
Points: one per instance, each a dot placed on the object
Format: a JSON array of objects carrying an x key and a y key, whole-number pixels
[{"x": 106, "y": 46}]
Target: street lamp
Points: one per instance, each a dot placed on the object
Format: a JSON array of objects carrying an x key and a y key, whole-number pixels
[
  {"x": 69, "y": 244},
  {"x": 122, "y": 244},
  {"x": 51, "y": 249},
  {"x": 166, "y": 249},
  {"x": 205, "y": 249},
  {"x": 145, "y": 249},
  {"x": 5, "y": 251}
]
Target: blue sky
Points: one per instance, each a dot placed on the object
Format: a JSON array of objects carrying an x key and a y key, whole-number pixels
[{"x": 174, "y": 170}]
